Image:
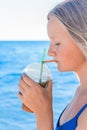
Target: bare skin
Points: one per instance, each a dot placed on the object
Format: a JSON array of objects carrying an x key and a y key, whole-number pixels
[
  {"x": 68, "y": 57},
  {"x": 39, "y": 100}
]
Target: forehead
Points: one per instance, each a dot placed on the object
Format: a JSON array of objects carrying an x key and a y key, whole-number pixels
[{"x": 55, "y": 27}]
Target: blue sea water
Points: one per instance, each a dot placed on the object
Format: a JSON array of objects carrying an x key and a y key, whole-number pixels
[{"x": 14, "y": 57}]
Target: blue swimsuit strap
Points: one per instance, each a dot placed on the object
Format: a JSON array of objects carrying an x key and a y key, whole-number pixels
[
  {"x": 58, "y": 123},
  {"x": 80, "y": 111},
  {"x": 76, "y": 116}
]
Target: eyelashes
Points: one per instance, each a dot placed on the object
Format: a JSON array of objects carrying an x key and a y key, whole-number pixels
[{"x": 57, "y": 44}]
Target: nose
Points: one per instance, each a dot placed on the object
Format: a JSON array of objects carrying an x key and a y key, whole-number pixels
[{"x": 51, "y": 51}]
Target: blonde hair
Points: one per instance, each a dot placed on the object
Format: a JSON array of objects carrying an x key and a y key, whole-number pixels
[{"x": 73, "y": 14}]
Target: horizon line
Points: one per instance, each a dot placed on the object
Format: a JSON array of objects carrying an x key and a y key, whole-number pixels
[{"x": 25, "y": 40}]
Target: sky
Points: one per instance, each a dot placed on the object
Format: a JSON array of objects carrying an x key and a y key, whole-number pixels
[{"x": 24, "y": 19}]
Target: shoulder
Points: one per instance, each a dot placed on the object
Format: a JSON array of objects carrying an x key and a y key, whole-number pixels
[{"x": 82, "y": 121}]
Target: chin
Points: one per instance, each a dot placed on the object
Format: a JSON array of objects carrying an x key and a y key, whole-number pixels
[{"x": 61, "y": 69}]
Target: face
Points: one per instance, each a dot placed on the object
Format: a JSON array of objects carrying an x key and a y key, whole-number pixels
[{"x": 62, "y": 48}]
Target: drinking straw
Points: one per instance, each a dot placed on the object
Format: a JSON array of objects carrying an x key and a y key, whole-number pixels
[
  {"x": 42, "y": 62},
  {"x": 45, "y": 61}
]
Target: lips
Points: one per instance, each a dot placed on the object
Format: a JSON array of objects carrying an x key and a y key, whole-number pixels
[
  {"x": 48, "y": 61},
  {"x": 56, "y": 60}
]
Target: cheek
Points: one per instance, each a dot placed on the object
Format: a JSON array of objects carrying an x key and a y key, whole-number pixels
[
  {"x": 69, "y": 58},
  {"x": 65, "y": 54}
]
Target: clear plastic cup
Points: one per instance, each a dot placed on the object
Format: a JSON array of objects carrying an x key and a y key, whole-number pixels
[{"x": 33, "y": 71}]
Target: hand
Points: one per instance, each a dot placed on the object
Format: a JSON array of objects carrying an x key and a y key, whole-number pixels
[
  {"x": 35, "y": 97},
  {"x": 25, "y": 108}
]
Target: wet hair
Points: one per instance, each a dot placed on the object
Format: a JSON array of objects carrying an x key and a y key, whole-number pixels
[{"x": 73, "y": 14}]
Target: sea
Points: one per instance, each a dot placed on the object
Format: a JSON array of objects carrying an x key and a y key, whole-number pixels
[{"x": 14, "y": 57}]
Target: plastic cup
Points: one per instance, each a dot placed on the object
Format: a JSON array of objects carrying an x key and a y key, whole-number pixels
[{"x": 33, "y": 71}]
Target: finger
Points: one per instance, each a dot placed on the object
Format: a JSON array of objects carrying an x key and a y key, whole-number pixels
[
  {"x": 24, "y": 85},
  {"x": 25, "y": 108},
  {"x": 21, "y": 89},
  {"x": 20, "y": 93},
  {"x": 20, "y": 96},
  {"x": 21, "y": 78},
  {"x": 28, "y": 80}
]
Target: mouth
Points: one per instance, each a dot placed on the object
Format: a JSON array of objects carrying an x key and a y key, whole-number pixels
[
  {"x": 48, "y": 61},
  {"x": 45, "y": 61}
]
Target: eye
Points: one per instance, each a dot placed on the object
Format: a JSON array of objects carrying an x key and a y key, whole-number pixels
[{"x": 57, "y": 44}]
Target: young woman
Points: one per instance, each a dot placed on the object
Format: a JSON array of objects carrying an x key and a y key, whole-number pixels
[{"x": 67, "y": 31}]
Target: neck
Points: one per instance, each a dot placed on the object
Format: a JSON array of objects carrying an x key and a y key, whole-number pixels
[{"x": 82, "y": 73}]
